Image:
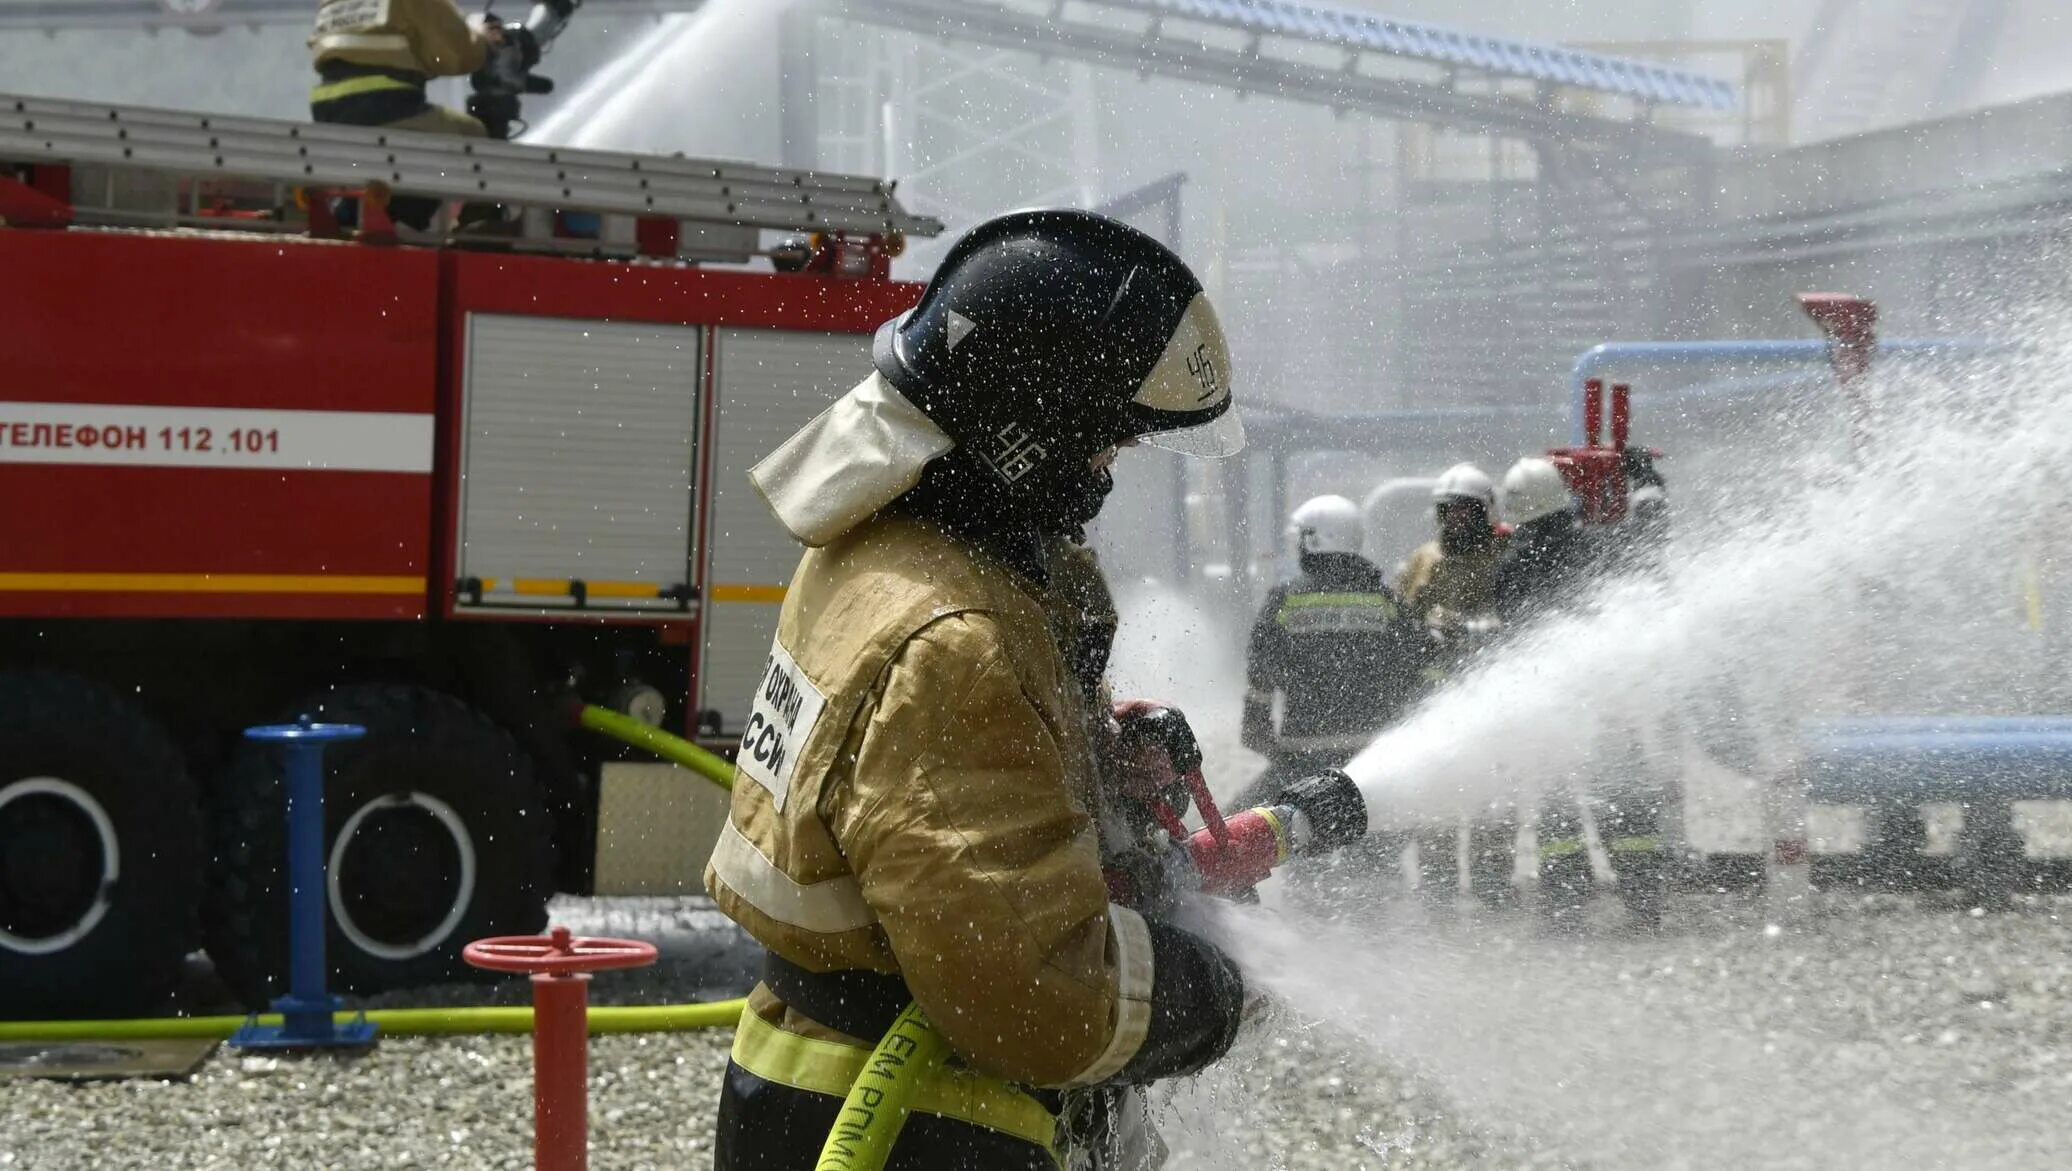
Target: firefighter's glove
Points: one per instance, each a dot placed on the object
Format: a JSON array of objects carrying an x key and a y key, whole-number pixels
[
  {"x": 1197, "y": 1003},
  {"x": 1256, "y": 732},
  {"x": 1336, "y": 811}
]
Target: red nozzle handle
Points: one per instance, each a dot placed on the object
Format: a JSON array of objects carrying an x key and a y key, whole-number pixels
[
  {"x": 1210, "y": 815},
  {"x": 557, "y": 954},
  {"x": 1622, "y": 414},
  {"x": 1243, "y": 855},
  {"x": 1593, "y": 411}
]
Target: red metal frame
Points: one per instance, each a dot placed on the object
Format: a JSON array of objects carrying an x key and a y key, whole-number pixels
[
  {"x": 41, "y": 200},
  {"x": 1596, "y": 473}
]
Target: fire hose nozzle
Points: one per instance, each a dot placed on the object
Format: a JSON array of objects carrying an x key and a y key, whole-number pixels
[
  {"x": 1334, "y": 807},
  {"x": 1314, "y": 815}
]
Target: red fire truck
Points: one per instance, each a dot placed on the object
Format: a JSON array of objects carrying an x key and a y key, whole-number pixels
[{"x": 251, "y": 472}]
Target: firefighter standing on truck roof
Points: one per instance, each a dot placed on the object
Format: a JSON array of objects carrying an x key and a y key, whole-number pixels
[
  {"x": 1334, "y": 646},
  {"x": 914, "y": 811},
  {"x": 374, "y": 58}
]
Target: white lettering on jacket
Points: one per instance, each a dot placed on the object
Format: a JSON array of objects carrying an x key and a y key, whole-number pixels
[{"x": 787, "y": 705}]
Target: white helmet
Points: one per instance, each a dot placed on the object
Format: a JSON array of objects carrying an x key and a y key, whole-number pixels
[
  {"x": 1533, "y": 488},
  {"x": 1465, "y": 482},
  {"x": 1328, "y": 524}
]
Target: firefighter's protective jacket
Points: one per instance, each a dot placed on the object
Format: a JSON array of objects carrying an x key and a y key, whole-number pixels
[
  {"x": 422, "y": 37},
  {"x": 1546, "y": 564},
  {"x": 913, "y": 796},
  {"x": 1343, "y": 654},
  {"x": 1462, "y": 585}
]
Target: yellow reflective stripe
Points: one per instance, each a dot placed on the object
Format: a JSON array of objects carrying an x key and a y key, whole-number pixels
[
  {"x": 1369, "y": 601},
  {"x": 726, "y": 592},
  {"x": 1280, "y": 834},
  {"x": 353, "y": 86},
  {"x": 1562, "y": 848},
  {"x": 560, "y": 587},
  {"x": 208, "y": 583},
  {"x": 830, "y": 1067},
  {"x": 1638, "y": 844}
]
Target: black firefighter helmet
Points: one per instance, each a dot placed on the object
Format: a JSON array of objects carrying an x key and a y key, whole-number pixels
[{"x": 1047, "y": 337}]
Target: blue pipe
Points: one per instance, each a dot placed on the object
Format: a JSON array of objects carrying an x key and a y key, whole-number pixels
[
  {"x": 1959, "y": 725},
  {"x": 307, "y": 1020},
  {"x": 1746, "y": 353},
  {"x": 2004, "y": 762}
]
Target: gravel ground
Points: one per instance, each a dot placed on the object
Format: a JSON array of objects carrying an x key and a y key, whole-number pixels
[{"x": 1884, "y": 1033}]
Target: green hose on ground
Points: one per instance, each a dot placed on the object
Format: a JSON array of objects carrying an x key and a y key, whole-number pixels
[
  {"x": 427, "y": 1022},
  {"x": 394, "y": 1022},
  {"x": 674, "y": 749},
  {"x": 877, "y": 1106}
]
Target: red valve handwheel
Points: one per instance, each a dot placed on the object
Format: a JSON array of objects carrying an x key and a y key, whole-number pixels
[{"x": 557, "y": 954}]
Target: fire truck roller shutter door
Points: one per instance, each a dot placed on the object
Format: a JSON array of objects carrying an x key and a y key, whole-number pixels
[
  {"x": 769, "y": 383},
  {"x": 578, "y": 451},
  {"x": 436, "y": 833},
  {"x": 100, "y": 851}
]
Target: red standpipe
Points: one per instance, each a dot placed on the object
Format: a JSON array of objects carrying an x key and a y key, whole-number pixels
[
  {"x": 560, "y": 965},
  {"x": 1593, "y": 411},
  {"x": 1622, "y": 414}
]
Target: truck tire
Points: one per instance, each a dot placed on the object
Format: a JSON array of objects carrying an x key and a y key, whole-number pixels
[
  {"x": 100, "y": 852},
  {"x": 435, "y": 834}
]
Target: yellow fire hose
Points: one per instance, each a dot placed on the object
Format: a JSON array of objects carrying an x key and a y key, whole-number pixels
[
  {"x": 674, "y": 749},
  {"x": 878, "y": 1103},
  {"x": 399, "y": 1022}
]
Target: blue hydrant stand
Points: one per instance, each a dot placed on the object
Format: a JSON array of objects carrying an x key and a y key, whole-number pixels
[{"x": 307, "y": 1010}]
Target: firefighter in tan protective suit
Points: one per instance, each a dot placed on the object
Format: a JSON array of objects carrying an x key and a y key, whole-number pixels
[
  {"x": 1452, "y": 578},
  {"x": 917, "y": 812},
  {"x": 374, "y": 58}
]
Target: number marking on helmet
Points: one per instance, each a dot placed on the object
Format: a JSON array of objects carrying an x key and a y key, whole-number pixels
[
  {"x": 1203, "y": 366},
  {"x": 1018, "y": 453}
]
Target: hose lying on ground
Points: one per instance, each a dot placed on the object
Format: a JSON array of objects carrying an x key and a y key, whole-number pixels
[{"x": 394, "y": 1022}]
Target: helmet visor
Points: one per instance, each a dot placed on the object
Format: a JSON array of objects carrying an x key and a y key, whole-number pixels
[{"x": 1221, "y": 436}]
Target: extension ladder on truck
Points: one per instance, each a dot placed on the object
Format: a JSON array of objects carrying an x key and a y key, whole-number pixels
[{"x": 64, "y": 162}]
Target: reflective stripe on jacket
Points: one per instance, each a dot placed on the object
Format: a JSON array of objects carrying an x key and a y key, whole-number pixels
[
  {"x": 421, "y": 36},
  {"x": 1339, "y": 651}
]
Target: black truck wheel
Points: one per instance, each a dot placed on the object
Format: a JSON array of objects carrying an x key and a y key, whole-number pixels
[
  {"x": 100, "y": 852},
  {"x": 435, "y": 834}
]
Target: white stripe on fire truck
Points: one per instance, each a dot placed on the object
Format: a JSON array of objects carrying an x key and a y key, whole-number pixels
[{"x": 214, "y": 437}]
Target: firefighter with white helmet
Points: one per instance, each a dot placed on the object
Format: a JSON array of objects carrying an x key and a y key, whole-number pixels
[
  {"x": 917, "y": 805},
  {"x": 1548, "y": 557},
  {"x": 1450, "y": 579},
  {"x": 1334, "y": 646}
]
